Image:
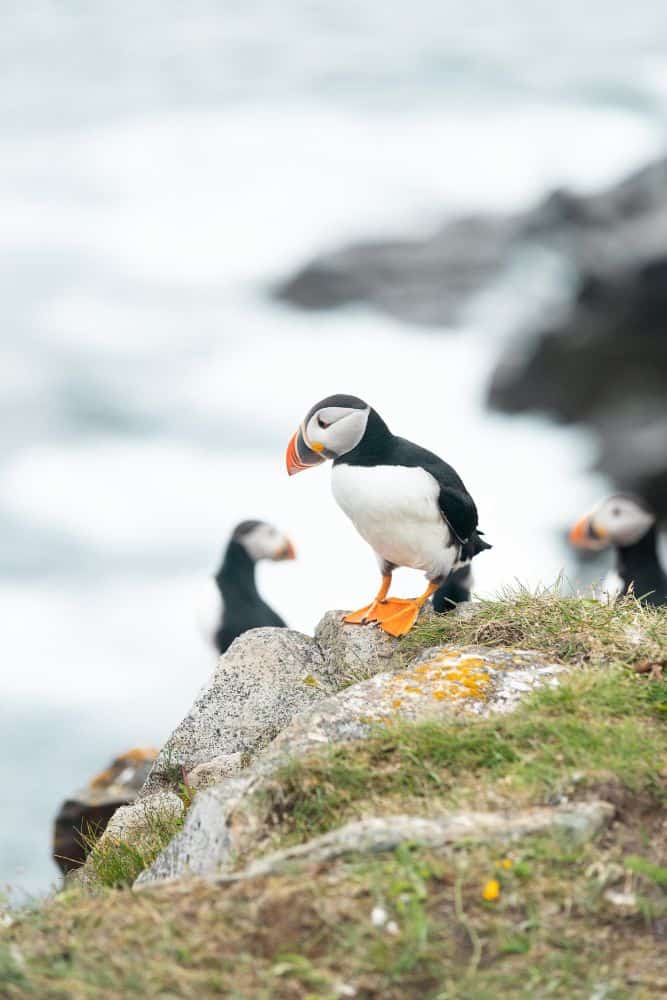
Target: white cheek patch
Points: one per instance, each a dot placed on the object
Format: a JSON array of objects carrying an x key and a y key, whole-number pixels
[
  {"x": 347, "y": 427},
  {"x": 263, "y": 542}
]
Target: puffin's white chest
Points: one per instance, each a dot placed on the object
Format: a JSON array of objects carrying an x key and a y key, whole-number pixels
[{"x": 395, "y": 509}]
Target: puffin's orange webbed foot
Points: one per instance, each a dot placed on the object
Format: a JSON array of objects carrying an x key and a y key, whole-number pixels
[
  {"x": 400, "y": 622},
  {"x": 377, "y": 611},
  {"x": 380, "y": 608}
]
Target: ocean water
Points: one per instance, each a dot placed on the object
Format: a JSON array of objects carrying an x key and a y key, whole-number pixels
[{"x": 160, "y": 168}]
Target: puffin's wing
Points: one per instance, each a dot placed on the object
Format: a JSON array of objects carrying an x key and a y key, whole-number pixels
[{"x": 459, "y": 511}]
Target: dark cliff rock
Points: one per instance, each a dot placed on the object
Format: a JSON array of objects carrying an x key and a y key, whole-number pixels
[
  {"x": 602, "y": 359},
  {"x": 87, "y": 812}
]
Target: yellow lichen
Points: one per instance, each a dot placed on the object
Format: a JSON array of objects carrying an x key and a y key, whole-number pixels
[{"x": 449, "y": 676}]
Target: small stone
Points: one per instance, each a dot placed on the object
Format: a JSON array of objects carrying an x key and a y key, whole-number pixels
[
  {"x": 379, "y": 916},
  {"x": 625, "y": 902}
]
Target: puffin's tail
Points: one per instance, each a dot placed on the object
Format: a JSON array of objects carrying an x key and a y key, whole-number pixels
[{"x": 474, "y": 545}]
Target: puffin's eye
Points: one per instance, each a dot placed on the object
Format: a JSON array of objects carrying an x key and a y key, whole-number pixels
[
  {"x": 616, "y": 511},
  {"x": 322, "y": 423}
]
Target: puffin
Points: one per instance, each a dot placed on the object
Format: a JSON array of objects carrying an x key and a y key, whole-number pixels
[
  {"x": 627, "y": 523},
  {"x": 234, "y": 604},
  {"x": 455, "y": 590},
  {"x": 407, "y": 503}
]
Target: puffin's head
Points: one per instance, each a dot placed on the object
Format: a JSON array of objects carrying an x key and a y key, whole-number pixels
[
  {"x": 263, "y": 541},
  {"x": 619, "y": 520},
  {"x": 332, "y": 427}
]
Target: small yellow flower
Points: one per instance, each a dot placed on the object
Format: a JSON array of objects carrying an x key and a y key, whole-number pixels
[
  {"x": 491, "y": 890},
  {"x": 506, "y": 863}
]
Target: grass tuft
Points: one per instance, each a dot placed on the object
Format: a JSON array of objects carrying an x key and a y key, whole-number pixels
[
  {"x": 578, "y": 630},
  {"x": 117, "y": 863}
]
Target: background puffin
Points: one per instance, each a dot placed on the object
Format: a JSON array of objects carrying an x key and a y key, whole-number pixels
[
  {"x": 627, "y": 523},
  {"x": 410, "y": 506},
  {"x": 455, "y": 590},
  {"x": 235, "y": 605}
]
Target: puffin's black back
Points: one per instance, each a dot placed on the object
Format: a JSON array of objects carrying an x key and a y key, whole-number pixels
[{"x": 243, "y": 608}]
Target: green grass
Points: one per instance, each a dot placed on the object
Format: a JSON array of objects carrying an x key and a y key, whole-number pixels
[
  {"x": 578, "y": 630},
  {"x": 596, "y": 722},
  {"x": 549, "y": 934},
  {"x": 116, "y": 863}
]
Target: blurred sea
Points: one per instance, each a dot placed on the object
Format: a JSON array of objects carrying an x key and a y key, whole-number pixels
[{"x": 161, "y": 165}]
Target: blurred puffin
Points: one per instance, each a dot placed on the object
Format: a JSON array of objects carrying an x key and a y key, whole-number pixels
[
  {"x": 235, "y": 605},
  {"x": 629, "y": 525},
  {"x": 455, "y": 590},
  {"x": 409, "y": 505}
]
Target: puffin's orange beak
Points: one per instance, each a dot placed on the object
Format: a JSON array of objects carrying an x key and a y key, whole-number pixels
[
  {"x": 300, "y": 456},
  {"x": 287, "y": 552},
  {"x": 584, "y": 535}
]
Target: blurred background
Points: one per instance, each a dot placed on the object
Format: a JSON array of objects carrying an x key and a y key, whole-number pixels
[{"x": 214, "y": 215}]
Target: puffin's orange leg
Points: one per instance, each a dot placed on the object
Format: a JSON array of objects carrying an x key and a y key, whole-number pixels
[
  {"x": 402, "y": 620},
  {"x": 369, "y": 613}
]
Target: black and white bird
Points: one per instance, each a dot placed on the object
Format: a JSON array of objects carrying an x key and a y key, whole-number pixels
[
  {"x": 629, "y": 525},
  {"x": 234, "y": 604},
  {"x": 410, "y": 506}
]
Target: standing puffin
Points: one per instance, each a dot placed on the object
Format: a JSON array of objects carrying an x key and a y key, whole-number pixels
[
  {"x": 409, "y": 505},
  {"x": 629, "y": 524},
  {"x": 235, "y": 604}
]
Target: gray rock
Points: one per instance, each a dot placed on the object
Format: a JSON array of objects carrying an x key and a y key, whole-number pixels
[
  {"x": 206, "y": 842},
  {"x": 580, "y": 820},
  {"x": 226, "y": 765},
  {"x": 130, "y": 823},
  {"x": 355, "y": 652},
  {"x": 265, "y": 678}
]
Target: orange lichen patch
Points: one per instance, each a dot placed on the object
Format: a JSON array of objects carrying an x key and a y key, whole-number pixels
[{"x": 449, "y": 676}]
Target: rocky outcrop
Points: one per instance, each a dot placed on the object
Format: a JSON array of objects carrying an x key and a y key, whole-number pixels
[
  {"x": 226, "y": 820},
  {"x": 603, "y": 358},
  {"x": 578, "y": 822},
  {"x": 87, "y": 812},
  {"x": 266, "y": 677},
  {"x": 426, "y": 281},
  {"x": 600, "y": 359}
]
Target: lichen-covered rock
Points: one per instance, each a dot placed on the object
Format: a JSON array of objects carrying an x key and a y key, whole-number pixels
[
  {"x": 228, "y": 819},
  {"x": 265, "y": 678},
  {"x": 86, "y": 813},
  {"x": 442, "y": 682},
  {"x": 578, "y": 821}
]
